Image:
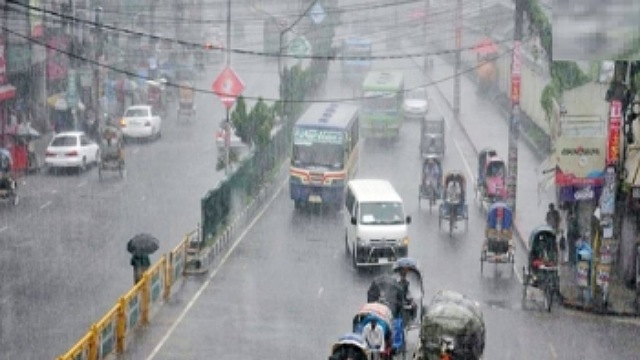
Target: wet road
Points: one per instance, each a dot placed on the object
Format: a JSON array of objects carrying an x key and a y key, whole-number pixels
[
  {"x": 63, "y": 262},
  {"x": 287, "y": 288},
  {"x": 594, "y": 30}
]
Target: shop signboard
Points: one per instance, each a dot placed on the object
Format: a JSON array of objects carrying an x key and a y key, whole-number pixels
[
  {"x": 582, "y": 273},
  {"x": 57, "y": 61},
  {"x": 613, "y": 140},
  {"x": 35, "y": 19},
  {"x": 3, "y": 63}
]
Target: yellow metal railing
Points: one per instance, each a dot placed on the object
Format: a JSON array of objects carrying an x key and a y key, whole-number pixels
[{"x": 109, "y": 334}]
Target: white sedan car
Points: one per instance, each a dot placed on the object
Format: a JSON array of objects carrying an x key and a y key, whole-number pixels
[
  {"x": 416, "y": 104},
  {"x": 71, "y": 149},
  {"x": 141, "y": 121}
]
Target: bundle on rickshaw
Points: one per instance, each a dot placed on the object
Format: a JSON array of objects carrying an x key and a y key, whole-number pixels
[
  {"x": 498, "y": 244},
  {"x": 541, "y": 271},
  {"x": 452, "y": 328},
  {"x": 8, "y": 185},
  {"x": 350, "y": 346}
]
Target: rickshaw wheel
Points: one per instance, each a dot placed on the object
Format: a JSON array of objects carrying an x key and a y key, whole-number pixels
[
  {"x": 452, "y": 221},
  {"x": 548, "y": 296},
  {"x": 16, "y": 199},
  {"x": 100, "y": 171},
  {"x": 482, "y": 257}
]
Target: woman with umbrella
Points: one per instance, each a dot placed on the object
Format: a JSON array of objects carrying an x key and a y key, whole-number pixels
[{"x": 140, "y": 247}]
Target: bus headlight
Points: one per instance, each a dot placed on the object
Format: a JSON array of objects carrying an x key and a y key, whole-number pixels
[{"x": 405, "y": 241}]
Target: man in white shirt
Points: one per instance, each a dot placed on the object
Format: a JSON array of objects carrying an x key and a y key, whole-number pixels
[
  {"x": 373, "y": 335},
  {"x": 454, "y": 192}
]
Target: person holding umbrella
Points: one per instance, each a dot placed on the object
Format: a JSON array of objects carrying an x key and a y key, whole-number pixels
[{"x": 140, "y": 247}]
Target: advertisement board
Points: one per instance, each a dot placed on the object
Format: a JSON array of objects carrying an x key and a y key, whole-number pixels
[{"x": 580, "y": 160}]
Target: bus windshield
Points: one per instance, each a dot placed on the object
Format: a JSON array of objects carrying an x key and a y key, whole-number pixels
[
  {"x": 373, "y": 102},
  {"x": 381, "y": 213},
  {"x": 328, "y": 156}
]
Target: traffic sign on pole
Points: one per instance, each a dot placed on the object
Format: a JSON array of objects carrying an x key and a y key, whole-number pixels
[
  {"x": 299, "y": 46},
  {"x": 317, "y": 13},
  {"x": 228, "y": 86}
]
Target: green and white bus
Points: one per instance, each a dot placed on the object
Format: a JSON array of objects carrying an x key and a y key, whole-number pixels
[
  {"x": 324, "y": 155},
  {"x": 381, "y": 110}
]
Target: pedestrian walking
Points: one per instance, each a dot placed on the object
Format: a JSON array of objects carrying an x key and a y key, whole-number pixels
[
  {"x": 573, "y": 234},
  {"x": 140, "y": 264}
]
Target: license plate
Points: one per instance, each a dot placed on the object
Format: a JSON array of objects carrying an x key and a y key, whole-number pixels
[
  {"x": 383, "y": 261},
  {"x": 315, "y": 199}
]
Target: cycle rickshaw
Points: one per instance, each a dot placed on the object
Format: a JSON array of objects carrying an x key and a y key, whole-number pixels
[
  {"x": 8, "y": 185},
  {"x": 454, "y": 207},
  {"x": 350, "y": 346},
  {"x": 498, "y": 247},
  {"x": 430, "y": 186},
  {"x": 541, "y": 271},
  {"x": 410, "y": 278},
  {"x": 385, "y": 299},
  {"x": 111, "y": 152},
  {"x": 491, "y": 182}
]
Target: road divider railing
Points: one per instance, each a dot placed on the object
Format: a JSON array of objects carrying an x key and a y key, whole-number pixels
[{"x": 110, "y": 334}]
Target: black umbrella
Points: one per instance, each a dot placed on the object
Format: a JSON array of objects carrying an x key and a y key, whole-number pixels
[{"x": 143, "y": 244}]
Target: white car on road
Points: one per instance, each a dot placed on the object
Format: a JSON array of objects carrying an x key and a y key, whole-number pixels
[
  {"x": 416, "y": 104},
  {"x": 141, "y": 121},
  {"x": 71, "y": 149}
]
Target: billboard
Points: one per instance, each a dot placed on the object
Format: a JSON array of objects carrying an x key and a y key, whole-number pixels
[{"x": 580, "y": 161}]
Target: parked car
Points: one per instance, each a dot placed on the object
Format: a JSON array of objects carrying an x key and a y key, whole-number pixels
[
  {"x": 234, "y": 141},
  {"x": 416, "y": 104},
  {"x": 141, "y": 121},
  {"x": 71, "y": 149}
]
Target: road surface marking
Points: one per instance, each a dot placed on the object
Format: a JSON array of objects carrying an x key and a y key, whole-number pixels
[
  {"x": 45, "y": 205},
  {"x": 197, "y": 295},
  {"x": 518, "y": 276},
  {"x": 82, "y": 184},
  {"x": 4, "y": 228},
  {"x": 553, "y": 351},
  {"x": 320, "y": 291},
  {"x": 457, "y": 145}
]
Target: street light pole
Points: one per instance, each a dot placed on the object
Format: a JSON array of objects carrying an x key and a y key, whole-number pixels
[
  {"x": 227, "y": 136},
  {"x": 96, "y": 68},
  {"x": 514, "y": 125},
  {"x": 456, "y": 82}
]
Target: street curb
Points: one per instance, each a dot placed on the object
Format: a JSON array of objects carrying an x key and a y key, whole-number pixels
[{"x": 523, "y": 240}]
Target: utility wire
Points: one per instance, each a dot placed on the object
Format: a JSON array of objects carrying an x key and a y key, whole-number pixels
[
  {"x": 258, "y": 53},
  {"x": 204, "y": 91}
]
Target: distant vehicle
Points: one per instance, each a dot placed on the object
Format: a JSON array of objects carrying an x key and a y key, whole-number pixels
[
  {"x": 141, "y": 121},
  {"x": 234, "y": 140},
  {"x": 416, "y": 104},
  {"x": 383, "y": 96},
  {"x": 71, "y": 149},
  {"x": 324, "y": 155},
  {"x": 354, "y": 70}
]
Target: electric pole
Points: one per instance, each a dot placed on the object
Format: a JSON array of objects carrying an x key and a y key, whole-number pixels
[
  {"x": 457, "y": 75},
  {"x": 514, "y": 124},
  {"x": 96, "y": 65},
  {"x": 227, "y": 135}
]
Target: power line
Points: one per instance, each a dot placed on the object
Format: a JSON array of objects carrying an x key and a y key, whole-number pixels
[{"x": 204, "y": 91}]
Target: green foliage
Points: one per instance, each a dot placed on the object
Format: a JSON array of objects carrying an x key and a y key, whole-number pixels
[
  {"x": 233, "y": 158},
  {"x": 240, "y": 120},
  {"x": 549, "y": 93},
  {"x": 261, "y": 118},
  {"x": 568, "y": 74},
  {"x": 539, "y": 25}
]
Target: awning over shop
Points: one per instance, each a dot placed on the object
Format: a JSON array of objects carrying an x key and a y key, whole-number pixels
[{"x": 7, "y": 92}]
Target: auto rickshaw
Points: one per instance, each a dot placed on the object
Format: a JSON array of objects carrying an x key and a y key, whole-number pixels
[
  {"x": 431, "y": 183},
  {"x": 454, "y": 207},
  {"x": 432, "y": 136},
  {"x": 452, "y": 328},
  {"x": 498, "y": 247},
  {"x": 8, "y": 185},
  {"x": 350, "y": 346},
  {"x": 541, "y": 271}
]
